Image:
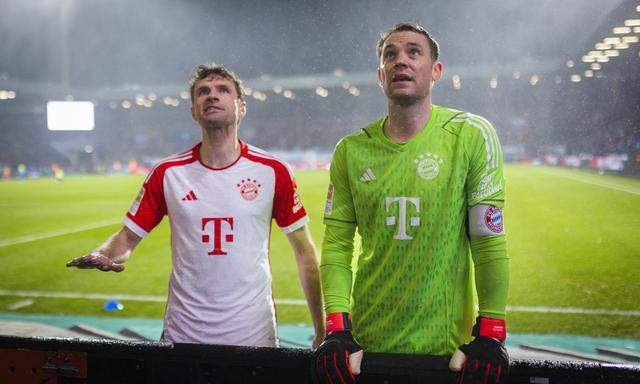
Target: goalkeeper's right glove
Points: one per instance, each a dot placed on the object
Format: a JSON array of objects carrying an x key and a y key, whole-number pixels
[{"x": 337, "y": 360}]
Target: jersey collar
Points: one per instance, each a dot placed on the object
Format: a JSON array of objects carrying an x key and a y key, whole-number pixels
[
  {"x": 379, "y": 132},
  {"x": 243, "y": 152}
]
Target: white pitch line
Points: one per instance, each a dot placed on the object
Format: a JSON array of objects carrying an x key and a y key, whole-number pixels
[
  {"x": 598, "y": 183},
  {"x": 20, "y": 304},
  {"x": 572, "y": 310},
  {"x": 162, "y": 299},
  {"x": 58, "y": 232},
  {"x": 105, "y": 296}
]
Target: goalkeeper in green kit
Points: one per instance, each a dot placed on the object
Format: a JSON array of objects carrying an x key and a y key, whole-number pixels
[{"x": 424, "y": 188}]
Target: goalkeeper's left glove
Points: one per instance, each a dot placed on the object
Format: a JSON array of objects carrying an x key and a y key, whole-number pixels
[
  {"x": 337, "y": 359},
  {"x": 484, "y": 359}
]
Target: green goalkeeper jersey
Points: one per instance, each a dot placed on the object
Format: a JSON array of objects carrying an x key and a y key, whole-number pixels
[{"x": 414, "y": 289}]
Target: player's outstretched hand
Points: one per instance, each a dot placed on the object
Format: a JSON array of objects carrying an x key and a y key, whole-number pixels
[
  {"x": 337, "y": 360},
  {"x": 96, "y": 260},
  {"x": 484, "y": 359}
]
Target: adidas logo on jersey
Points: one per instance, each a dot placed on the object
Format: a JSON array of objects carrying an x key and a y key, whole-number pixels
[
  {"x": 367, "y": 175},
  {"x": 189, "y": 196}
]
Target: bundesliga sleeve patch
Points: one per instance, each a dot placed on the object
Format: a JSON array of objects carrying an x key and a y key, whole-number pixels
[
  {"x": 485, "y": 220},
  {"x": 136, "y": 204},
  {"x": 297, "y": 202},
  {"x": 328, "y": 208}
]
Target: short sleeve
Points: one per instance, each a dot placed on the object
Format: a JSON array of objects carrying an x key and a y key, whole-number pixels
[
  {"x": 339, "y": 209},
  {"x": 149, "y": 207},
  {"x": 288, "y": 210},
  {"x": 485, "y": 180}
]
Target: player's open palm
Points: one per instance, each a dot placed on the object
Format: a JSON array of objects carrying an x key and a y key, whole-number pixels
[{"x": 96, "y": 260}]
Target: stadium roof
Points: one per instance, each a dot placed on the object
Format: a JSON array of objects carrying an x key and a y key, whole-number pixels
[{"x": 111, "y": 49}]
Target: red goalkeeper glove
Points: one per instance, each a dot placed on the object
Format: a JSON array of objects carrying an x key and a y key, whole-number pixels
[
  {"x": 337, "y": 360},
  {"x": 484, "y": 359}
]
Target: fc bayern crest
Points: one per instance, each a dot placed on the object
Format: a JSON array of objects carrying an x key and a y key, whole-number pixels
[
  {"x": 249, "y": 188},
  {"x": 493, "y": 219},
  {"x": 428, "y": 165}
]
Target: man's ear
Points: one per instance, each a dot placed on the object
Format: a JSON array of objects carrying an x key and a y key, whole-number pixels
[
  {"x": 436, "y": 71},
  {"x": 243, "y": 108}
]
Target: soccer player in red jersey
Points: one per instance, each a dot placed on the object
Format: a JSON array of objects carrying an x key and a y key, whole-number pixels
[{"x": 220, "y": 197}]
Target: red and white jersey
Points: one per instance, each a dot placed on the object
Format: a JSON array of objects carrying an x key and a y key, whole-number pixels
[{"x": 220, "y": 285}]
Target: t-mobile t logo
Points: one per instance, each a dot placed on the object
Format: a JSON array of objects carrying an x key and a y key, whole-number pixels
[
  {"x": 414, "y": 221},
  {"x": 217, "y": 233}
]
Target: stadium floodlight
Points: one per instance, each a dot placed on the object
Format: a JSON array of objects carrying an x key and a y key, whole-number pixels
[
  {"x": 636, "y": 29},
  {"x": 621, "y": 30},
  {"x": 621, "y": 46},
  {"x": 575, "y": 78},
  {"x": 70, "y": 116},
  {"x": 588, "y": 59},
  {"x": 595, "y": 53},
  {"x": 126, "y": 104},
  {"x": 632, "y": 23},
  {"x": 630, "y": 39},
  {"x": 493, "y": 83},
  {"x": 322, "y": 92},
  {"x": 612, "y": 53},
  {"x": 596, "y": 66},
  {"x": 457, "y": 84},
  {"x": 603, "y": 46},
  {"x": 570, "y": 63},
  {"x": 184, "y": 95},
  {"x": 612, "y": 40},
  {"x": 534, "y": 79},
  {"x": 602, "y": 59},
  {"x": 588, "y": 73}
]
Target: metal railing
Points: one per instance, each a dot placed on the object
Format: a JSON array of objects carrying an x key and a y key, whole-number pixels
[{"x": 51, "y": 360}]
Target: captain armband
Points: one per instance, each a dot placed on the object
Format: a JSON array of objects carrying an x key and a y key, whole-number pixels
[{"x": 485, "y": 220}]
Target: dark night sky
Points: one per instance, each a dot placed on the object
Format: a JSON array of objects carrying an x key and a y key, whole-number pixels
[{"x": 111, "y": 43}]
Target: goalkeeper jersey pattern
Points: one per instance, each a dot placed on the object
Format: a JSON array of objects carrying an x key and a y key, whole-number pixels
[{"x": 413, "y": 290}]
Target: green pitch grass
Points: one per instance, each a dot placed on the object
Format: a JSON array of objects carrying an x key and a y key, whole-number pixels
[{"x": 572, "y": 238}]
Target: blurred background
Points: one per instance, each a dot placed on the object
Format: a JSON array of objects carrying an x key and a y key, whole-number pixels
[{"x": 559, "y": 81}]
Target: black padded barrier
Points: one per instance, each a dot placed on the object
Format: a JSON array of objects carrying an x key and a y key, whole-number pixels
[{"x": 51, "y": 360}]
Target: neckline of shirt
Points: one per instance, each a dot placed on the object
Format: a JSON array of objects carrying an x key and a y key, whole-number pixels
[
  {"x": 196, "y": 154},
  {"x": 403, "y": 146}
]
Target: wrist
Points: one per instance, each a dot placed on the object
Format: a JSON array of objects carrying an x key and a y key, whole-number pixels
[
  {"x": 490, "y": 327},
  {"x": 338, "y": 321}
]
